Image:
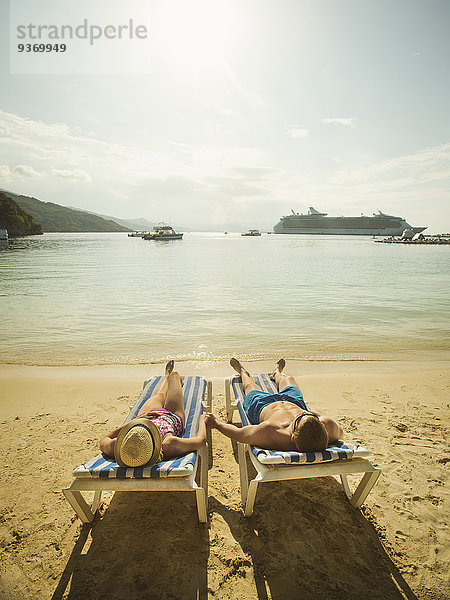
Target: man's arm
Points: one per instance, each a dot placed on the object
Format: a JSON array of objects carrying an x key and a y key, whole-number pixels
[
  {"x": 250, "y": 434},
  {"x": 334, "y": 430}
]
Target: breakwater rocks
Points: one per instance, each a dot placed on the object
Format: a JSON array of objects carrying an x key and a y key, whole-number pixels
[{"x": 420, "y": 240}]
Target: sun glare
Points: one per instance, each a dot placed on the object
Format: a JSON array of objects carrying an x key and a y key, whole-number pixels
[{"x": 195, "y": 32}]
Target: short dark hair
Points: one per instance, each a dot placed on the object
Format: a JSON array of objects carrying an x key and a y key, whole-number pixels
[{"x": 310, "y": 434}]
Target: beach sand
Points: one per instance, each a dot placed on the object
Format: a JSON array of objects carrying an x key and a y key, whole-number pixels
[{"x": 304, "y": 540}]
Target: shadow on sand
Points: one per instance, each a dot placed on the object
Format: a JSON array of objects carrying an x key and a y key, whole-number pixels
[
  {"x": 307, "y": 542},
  {"x": 134, "y": 553}
]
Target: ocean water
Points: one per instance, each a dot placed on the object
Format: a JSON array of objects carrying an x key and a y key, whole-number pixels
[{"x": 68, "y": 299}]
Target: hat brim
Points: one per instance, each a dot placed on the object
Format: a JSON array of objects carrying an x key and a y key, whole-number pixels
[{"x": 154, "y": 432}]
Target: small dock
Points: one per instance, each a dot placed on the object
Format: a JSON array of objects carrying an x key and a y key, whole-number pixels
[{"x": 440, "y": 239}]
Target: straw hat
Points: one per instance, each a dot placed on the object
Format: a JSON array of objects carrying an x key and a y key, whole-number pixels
[{"x": 138, "y": 444}]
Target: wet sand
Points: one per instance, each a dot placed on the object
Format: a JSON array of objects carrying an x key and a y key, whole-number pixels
[{"x": 304, "y": 540}]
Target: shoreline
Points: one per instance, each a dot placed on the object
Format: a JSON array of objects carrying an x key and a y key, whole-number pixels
[
  {"x": 394, "y": 547},
  {"x": 415, "y": 355}
]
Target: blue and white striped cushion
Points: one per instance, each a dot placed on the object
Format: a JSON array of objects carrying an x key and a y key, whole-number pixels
[
  {"x": 193, "y": 393},
  {"x": 339, "y": 451}
]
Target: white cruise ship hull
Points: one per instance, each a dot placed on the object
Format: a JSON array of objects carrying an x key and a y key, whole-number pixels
[
  {"x": 350, "y": 231},
  {"x": 317, "y": 223}
]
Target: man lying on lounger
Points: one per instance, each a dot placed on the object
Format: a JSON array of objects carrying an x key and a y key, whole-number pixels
[
  {"x": 155, "y": 434},
  {"x": 279, "y": 421}
]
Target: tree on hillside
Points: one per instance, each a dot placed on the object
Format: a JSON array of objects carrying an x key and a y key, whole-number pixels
[{"x": 16, "y": 220}]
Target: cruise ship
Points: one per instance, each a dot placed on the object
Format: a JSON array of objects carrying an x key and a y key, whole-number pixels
[{"x": 319, "y": 223}]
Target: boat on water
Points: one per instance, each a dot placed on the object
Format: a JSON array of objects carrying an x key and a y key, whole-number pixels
[
  {"x": 251, "y": 233},
  {"x": 319, "y": 223},
  {"x": 140, "y": 234},
  {"x": 163, "y": 232}
]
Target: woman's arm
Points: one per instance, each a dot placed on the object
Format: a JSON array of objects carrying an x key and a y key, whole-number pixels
[
  {"x": 108, "y": 442},
  {"x": 174, "y": 446}
]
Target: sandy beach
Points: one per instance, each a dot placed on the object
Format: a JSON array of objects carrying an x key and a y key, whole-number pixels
[{"x": 304, "y": 540}]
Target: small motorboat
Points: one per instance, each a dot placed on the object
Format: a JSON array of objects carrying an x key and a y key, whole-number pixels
[
  {"x": 140, "y": 234},
  {"x": 251, "y": 233},
  {"x": 163, "y": 232}
]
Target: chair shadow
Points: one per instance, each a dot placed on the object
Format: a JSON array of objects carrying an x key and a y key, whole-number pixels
[
  {"x": 307, "y": 542},
  {"x": 147, "y": 545}
]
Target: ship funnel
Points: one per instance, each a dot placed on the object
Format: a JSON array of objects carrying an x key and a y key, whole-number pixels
[{"x": 313, "y": 211}]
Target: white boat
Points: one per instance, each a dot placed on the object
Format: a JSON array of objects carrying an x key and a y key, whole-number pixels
[
  {"x": 3, "y": 235},
  {"x": 251, "y": 233},
  {"x": 140, "y": 234},
  {"x": 319, "y": 223},
  {"x": 163, "y": 232}
]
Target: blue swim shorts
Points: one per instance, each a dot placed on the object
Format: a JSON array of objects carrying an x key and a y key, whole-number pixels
[{"x": 256, "y": 400}]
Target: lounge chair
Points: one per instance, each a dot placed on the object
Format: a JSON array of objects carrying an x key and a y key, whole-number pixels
[
  {"x": 341, "y": 459},
  {"x": 103, "y": 473}
]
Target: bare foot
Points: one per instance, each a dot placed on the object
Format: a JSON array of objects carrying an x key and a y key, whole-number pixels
[
  {"x": 278, "y": 368},
  {"x": 238, "y": 367},
  {"x": 169, "y": 367}
]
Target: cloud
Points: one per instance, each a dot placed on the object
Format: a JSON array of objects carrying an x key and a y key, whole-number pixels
[
  {"x": 254, "y": 173},
  {"x": 427, "y": 165},
  {"x": 196, "y": 184},
  {"x": 5, "y": 171},
  {"x": 148, "y": 179},
  {"x": 346, "y": 121},
  {"x": 73, "y": 154},
  {"x": 26, "y": 171},
  {"x": 75, "y": 175},
  {"x": 297, "y": 131}
]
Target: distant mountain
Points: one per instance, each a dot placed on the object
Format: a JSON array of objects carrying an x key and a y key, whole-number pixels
[
  {"x": 16, "y": 220},
  {"x": 139, "y": 224},
  {"x": 57, "y": 218}
]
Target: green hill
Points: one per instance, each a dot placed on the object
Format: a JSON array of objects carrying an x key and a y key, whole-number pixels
[
  {"x": 16, "y": 220},
  {"x": 57, "y": 218}
]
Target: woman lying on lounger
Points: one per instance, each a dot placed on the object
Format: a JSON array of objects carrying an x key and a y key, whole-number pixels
[{"x": 155, "y": 434}]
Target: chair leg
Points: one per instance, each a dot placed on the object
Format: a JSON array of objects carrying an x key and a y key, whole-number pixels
[
  {"x": 364, "y": 487},
  {"x": 204, "y": 458},
  {"x": 346, "y": 487},
  {"x": 229, "y": 408},
  {"x": 201, "y": 505},
  {"x": 243, "y": 474},
  {"x": 96, "y": 501},
  {"x": 80, "y": 506},
  {"x": 362, "y": 491},
  {"x": 251, "y": 498}
]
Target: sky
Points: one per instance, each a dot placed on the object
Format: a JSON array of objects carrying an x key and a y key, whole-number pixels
[{"x": 242, "y": 110}]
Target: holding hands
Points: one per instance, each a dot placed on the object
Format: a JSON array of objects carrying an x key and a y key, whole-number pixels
[{"x": 210, "y": 420}]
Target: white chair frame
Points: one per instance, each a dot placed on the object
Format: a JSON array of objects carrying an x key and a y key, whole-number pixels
[
  {"x": 86, "y": 512},
  {"x": 285, "y": 472}
]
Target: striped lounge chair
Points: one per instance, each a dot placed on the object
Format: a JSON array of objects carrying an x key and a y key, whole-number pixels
[
  {"x": 103, "y": 473},
  {"x": 341, "y": 459}
]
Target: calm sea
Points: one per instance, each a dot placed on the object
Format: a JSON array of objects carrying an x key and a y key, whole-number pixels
[{"x": 106, "y": 298}]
